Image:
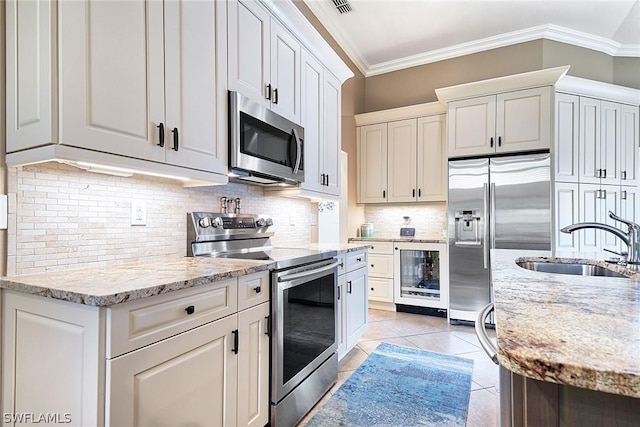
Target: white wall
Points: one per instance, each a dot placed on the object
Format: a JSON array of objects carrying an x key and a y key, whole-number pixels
[{"x": 62, "y": 217}]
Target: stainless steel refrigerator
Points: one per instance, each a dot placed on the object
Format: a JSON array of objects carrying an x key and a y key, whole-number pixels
[{"x": 497, "y": 202}]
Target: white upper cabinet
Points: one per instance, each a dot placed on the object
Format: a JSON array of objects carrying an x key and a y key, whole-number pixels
[
  {"x": 402, "y": 137},
  {"x": 431, "y": 157},
  {"x": 566, "y": 139},
  {"x": 321, "y": 97},
  {"x": 629, "y": 142},
  {"x": 154, "y": 90},
  {"x": 372, "y": 163},
  {"x": 401, "y": 161},
  {"x": 507, "y": 122},
  {"x": 264, "y": 59}
]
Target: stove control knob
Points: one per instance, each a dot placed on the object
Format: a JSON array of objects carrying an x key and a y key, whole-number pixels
[
  {"x": 269, "y": 222},
  {"x": 204, "y": 222},
  {"x": 261, "y": 222},
  {"x": 217, "y": 222}
]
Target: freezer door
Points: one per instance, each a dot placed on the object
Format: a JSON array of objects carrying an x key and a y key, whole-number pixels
[
  {"x": 520, "y": 202},
  {"x": 469, "y": 288}
]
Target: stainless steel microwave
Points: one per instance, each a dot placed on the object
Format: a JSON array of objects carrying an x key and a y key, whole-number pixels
[{"x": 264, "y": 147}]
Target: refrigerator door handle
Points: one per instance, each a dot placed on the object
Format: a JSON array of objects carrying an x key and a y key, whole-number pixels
[
  {"x": 492, "y": 214},
  {"x": 485, "y": 216}
]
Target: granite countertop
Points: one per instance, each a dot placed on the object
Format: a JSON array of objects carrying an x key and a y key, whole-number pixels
[
  {"x": 582, "y": 331},
  {"x": 105, "y": 286},
  {"x": 413, "y": 239}
]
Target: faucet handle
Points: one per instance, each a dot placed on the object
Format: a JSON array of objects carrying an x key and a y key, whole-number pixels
[
  {"x": 622, "y": 253},
  {"x": 632, "y": 225}
]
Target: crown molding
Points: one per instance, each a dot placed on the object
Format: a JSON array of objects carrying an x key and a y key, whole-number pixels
[
  {"x": 549, "y": 32},
  {"x": 600, "y": 90},
  {"x": 336, "y": 32},
  {"x": 400, "y": 113},
  {"x": 544, "y": 77}
]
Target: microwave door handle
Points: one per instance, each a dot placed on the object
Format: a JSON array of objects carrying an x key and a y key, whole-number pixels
[{"x": 298, "y": 150}]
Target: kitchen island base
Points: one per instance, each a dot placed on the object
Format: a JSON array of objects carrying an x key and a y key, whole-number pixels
[{"x": 529, "y": 402}]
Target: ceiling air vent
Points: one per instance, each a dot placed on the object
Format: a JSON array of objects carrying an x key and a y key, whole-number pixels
[{"x": 343, "y": 6}]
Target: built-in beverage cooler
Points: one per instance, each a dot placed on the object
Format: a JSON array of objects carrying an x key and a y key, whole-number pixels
[{"x": 422, "y": 275}]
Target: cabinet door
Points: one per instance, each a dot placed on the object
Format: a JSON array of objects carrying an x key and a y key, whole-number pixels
[
  {"x": 357, "y": 306},
  {"x": 431, "y": 170},
  {"x": 189, "y": 379},
  {"x": 253, "y": 366},
  {"x": 629, "y": 206},
  {"x": 372, "y": 163},
  {"x": 472, "y": 126},
  {"x": 29, "y": 84},
  {"x": 567, "y": 137},
  {"x": 566, "y": 212},
  {"x": 312, "y": 91},
  {"x": 112, "y": 87},
  {"x": 589, "y": 204},
  {"x": 285, "y": 73},
  {"x": 195, "y": 73},
  {"x": 523, "y": 120},
  {"x": 249, "y": 50},
  {"x": 589, "y": 140},
  {"x": 332, "y": 133},
  {"x": 51, "y": 358},
  {"x": 609, "y": 150},
  {"x": 629, "y": 142},
  {"x": 401, "y": 161},
  {"x": 609, "y": 199}
]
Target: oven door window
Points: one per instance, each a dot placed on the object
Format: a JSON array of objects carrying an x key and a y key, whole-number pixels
[
  {"x": 261, "y": 140},
  {"x": 309, "y": 323}
]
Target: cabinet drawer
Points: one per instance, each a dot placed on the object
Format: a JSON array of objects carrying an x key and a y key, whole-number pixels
[
  {"x": 141, "y": 322},
  {"x": 253, "y": 289},
  {"x": 381, "y": 248},
  {"x": 381, "y": 265},
  {"x": 380, "y": 289},
  {"x": 355, "y": 260}
]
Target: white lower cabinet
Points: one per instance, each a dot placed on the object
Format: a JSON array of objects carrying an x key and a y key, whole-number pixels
[
  {"x": 207, "y": 363},
  {"x": 353, "y": 314},
  {"x": 381, "y": 275},
  {"x": 184, "y": 380}
]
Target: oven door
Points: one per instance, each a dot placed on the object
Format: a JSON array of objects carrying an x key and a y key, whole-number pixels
[{"x": 304, "y": 312}]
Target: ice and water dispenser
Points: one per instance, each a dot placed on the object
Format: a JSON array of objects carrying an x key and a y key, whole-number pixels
[{"x": 467, "y": 227}]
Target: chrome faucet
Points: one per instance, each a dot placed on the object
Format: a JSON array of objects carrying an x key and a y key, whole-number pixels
[{"x": 631, "y": 238}]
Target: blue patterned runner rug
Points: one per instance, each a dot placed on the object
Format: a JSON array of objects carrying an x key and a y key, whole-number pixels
[{"x": 401, "y": 386}]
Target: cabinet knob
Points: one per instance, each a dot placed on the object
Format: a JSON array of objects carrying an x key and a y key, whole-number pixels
[
  {"x": 191, "y": 309},
  {"x": 371, "y": 265},
  {"x": 257, "y": 289},
  {"x": 359, "y": 259},
  {"x": 372, "y": 289}
]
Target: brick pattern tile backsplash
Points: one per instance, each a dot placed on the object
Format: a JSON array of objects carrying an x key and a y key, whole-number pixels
[
  {"x": 61, "y": 217},
  {"x": 428, "y": 219}
]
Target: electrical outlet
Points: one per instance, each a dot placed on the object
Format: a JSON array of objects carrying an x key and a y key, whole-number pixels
[{"x": 138, "y": 212}]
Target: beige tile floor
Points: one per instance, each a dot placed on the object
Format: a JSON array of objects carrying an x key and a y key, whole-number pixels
[{"x": 431, "y": 334}]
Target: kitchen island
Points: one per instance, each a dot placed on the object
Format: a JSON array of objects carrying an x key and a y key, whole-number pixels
[
  {"x": 569, "y": 345},
  {"x": 174, "y": 341}
]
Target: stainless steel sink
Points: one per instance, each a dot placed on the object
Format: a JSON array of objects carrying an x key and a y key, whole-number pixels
[{"x": 577, "y": 269}]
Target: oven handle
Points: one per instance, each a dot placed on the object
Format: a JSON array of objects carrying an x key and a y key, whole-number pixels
[{"x": 294, "y": 276}]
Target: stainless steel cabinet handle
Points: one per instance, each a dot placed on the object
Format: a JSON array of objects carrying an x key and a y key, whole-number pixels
[{"x": 481, "y": 332}]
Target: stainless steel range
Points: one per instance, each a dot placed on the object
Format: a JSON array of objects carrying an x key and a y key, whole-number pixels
[{"x": 304, "y": 363}]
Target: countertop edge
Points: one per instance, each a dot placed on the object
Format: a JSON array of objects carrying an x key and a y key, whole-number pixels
[{"x": 540, "y": 354}]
